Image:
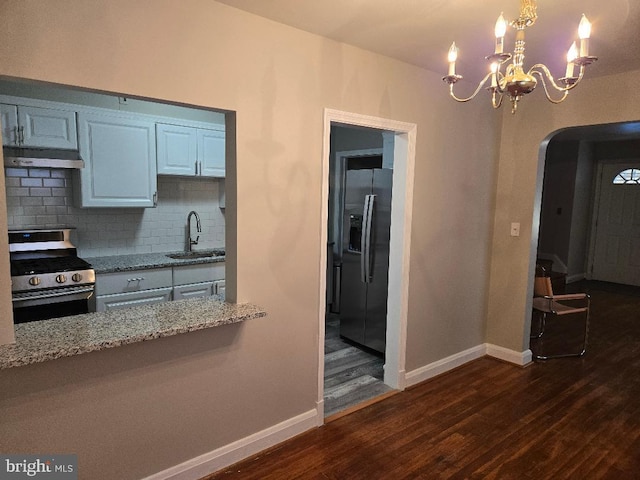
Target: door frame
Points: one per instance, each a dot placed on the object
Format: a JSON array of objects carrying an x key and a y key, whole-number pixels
[{"x": 400, "y": 243}]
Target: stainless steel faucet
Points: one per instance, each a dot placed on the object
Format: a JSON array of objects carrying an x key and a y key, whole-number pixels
[{"x": 191, "y": 242}]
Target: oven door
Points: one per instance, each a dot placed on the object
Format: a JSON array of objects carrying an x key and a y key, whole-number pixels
[{"x": 45, "y": 304}]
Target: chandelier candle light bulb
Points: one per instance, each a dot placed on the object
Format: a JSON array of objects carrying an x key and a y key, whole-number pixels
[
  {"x": 572, "y": 54},
  {"x": 452, "y": 57},
  {"x": 584, "y": 32},
  {"x": 500, "y": 30},
  {"x": 494, "y": 75}
]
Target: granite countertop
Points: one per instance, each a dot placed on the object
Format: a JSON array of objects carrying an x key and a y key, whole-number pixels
[
  {"x": 45, "y": 340},
  {"x": 141, "y": 261}
]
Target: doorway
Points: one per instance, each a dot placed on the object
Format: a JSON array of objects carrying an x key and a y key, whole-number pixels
[
  {"x": 588, "y": 219},
  {"x": 398, "y": 144}
]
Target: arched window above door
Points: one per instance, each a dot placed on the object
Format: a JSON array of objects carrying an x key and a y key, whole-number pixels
[{"x": 628, "y": 176}]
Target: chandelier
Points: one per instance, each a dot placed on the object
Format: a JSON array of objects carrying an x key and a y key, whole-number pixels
[{"x": 515, "y": 82}]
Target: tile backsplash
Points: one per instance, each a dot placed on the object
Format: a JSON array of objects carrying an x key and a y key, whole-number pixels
[{"x": 43, "y": 197}]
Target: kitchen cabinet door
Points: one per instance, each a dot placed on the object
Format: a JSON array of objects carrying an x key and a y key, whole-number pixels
[
  {"x": 211, "y": 152},
  {"x": 177, "y": 150},
  {"x": 194, "y": 290},
  {"x": 9, "y": 118},
  {"x": 132, "y": 299},
  {"x": 38, "y": 127},
  {"x": 203, "y": 272},
  {"x": 120, "y": 161}
]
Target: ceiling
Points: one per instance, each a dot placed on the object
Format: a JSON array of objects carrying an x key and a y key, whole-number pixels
[{"x": 420, "y": 32}]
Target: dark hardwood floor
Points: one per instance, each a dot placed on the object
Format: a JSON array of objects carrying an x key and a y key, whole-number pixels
[{"x": 572, "y": 418}]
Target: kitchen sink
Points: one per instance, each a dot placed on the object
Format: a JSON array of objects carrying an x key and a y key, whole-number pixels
[{"x": 196, "y": 254}]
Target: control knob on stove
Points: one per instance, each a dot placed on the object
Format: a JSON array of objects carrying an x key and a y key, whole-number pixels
[
  {"x": 76, "y": 277},
  {"x": 34, "y": 281},
  {"x": 61, "y": 278}
]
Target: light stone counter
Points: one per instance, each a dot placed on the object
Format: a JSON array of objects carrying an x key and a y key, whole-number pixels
[
  {"x": 141, "y": 261},
  {"x": 64, "y": 337}
]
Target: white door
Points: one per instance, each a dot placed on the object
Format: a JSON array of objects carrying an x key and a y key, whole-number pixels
[{"x": 617, "y": 238}]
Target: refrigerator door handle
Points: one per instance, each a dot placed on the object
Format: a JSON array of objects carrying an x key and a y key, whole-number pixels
[{"x": 365, "y": 258}]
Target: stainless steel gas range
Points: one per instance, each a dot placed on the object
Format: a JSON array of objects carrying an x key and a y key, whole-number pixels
[{"x": 48, "y": 279}]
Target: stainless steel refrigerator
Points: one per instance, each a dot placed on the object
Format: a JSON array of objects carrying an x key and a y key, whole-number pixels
[{"x": 365, "y": 256}]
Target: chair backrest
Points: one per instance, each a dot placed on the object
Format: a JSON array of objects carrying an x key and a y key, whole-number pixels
[{"x": 542, "y": 283}]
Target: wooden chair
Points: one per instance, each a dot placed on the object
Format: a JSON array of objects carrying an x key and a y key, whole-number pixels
[{"x": 547, "y": 305}]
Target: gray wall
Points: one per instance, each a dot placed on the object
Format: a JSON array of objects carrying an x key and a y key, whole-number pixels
[{"x": 140, "y": 409}]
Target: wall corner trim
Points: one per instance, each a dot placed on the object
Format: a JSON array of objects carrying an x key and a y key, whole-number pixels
[
  {"x": 511, "y": 356},
  {"x": 222, "y": 457}
]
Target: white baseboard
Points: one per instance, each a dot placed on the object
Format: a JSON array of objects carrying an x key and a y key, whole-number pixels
[
  {"x": 444, "y": 365},
  {"x": 220, "y": 458},
  {"x": 511, "y": 356},
  {"x": 441, "y": 366}
]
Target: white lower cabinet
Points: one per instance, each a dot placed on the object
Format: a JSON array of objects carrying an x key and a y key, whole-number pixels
[
  {"x": 133, "y": 299},
  {"x": 136, "y": 287},
  {"x": 196, "y": 281},
  {"x": 219, "y": 287},
  {"x": 156, "y": 285},
  {"x": 193, "y": 290}
]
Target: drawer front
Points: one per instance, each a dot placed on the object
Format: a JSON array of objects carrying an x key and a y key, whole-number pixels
[
  {"x": 133, "y": 281},
  {"x": 132, "y": 299},
  {"x": 202, "y": 272}
]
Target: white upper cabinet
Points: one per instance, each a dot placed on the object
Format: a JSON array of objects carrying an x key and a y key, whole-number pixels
[
  {"x": 211, "y": 152},
  {"x": 24, "y": 126},
  {"x": 185, "y": 150},
  {"x": 120, "y": 161},
  {"x": 9, "y": 118},
  {"x": 177, "y": 149}
]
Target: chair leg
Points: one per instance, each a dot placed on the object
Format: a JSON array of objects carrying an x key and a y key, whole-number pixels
[
  {"x": 541, "y": 324},
  {"x": 564, "y": 355}
]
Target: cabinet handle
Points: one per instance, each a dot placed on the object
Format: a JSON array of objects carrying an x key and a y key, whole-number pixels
[
  {"x": 137, "y": 279},
  {"x": 155, "y": 199},
  {"x": 200, "y": 163},
  {"x": 21, "y": 135},
  {"x": 196, "y": 167}
]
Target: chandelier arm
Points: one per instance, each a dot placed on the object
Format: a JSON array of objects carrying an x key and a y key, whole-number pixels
[
  {"x": 493, "y": 98},
  {"x": 546, "y": 89},
  {"x": 473, "y": 95},
  {"x": 569, "y": 85}
]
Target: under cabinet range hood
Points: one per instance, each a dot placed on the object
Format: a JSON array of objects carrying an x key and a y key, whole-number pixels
[{"x": 41, "y": 157}]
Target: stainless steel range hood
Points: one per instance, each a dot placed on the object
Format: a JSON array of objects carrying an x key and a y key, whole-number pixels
[{"x": 41, "y": 157}]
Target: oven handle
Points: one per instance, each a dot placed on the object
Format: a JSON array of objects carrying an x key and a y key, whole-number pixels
[{"x": 76, "y": 294}]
